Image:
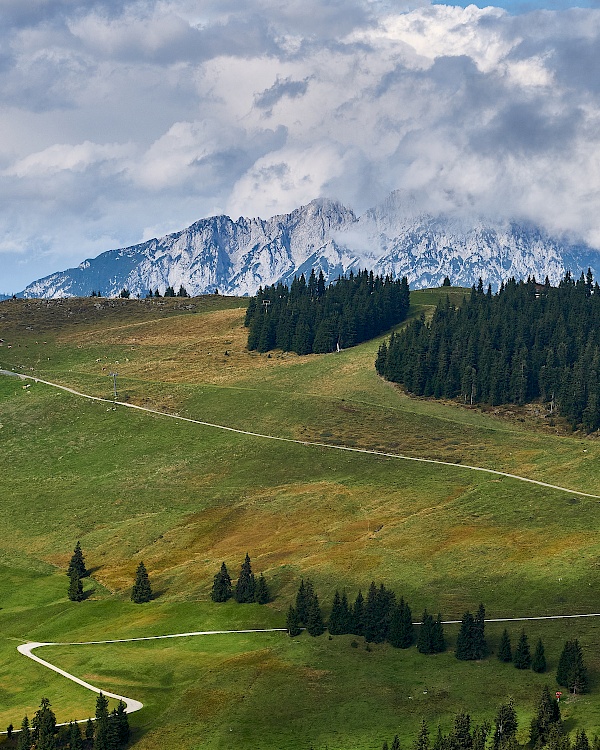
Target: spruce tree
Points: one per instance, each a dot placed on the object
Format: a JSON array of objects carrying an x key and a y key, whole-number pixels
[
  {"x": 246, "y": 584},
  {"x": 221, "y": 588},
  {"x": 479, "y": 642},
  {"x": 358, "y": 614},
  {"x": 370, "y": 616},
  {"x": 142, "y": 591},
  {"x": 425, "y": 635},
  {"x": 547, "y": 715},
  {"x": 438, "y": 640},
  {"x": 571, "y": 672},
  {"x": 504, "y": 650},
  {"x": 89, "y": 732},
  {"x": 538, "y": 663},
  {"x": 395, "y": 743},
  {"x": 77, "y": 562},
  {"x": 122, "y": 725},
  {"x": 302, "y": 600},
  {"x": 292, "y": 622},
  {"x": 346, "y": 614},
  {"x": 75, "y": 740},
  {"x": 522, "y": 657},
  {"x": 335, "y": 624},
  {"x": 506, "y": 725},
  {"x": 464, "y": 641},
  {"x": 75, "y": 590},
  {"x": 581, "y": 741},
  {"x": 44, "y": 727},
  {"x": 422, "y": 740},
  {"x": 261, "y": 593},
  {"x": 24, "y": 739},
  {"x": 314, "y": 621},
  {"x": 102, "y": 738}
]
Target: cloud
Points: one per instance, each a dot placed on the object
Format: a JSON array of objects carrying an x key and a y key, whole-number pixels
[{"x": 120, "y": 117}]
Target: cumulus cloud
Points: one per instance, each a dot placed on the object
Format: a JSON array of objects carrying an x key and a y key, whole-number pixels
[{"x": 122, "y": 118}]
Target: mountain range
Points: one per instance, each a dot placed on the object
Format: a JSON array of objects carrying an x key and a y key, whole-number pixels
[{"x": 395, "y": 237}]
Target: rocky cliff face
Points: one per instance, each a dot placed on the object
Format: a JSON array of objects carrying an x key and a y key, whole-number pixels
[{"x": 236, "y": 257}]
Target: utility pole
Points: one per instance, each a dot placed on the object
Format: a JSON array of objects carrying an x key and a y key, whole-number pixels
[{"x": 113, "y": 375}]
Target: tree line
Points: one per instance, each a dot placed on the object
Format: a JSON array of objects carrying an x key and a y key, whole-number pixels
[
  {"x": 529, "y": 341},
  {"x": 546, "y": 730},
  {"x": 109, "y": 731},
  {"x": 382, "y": 618},
  {"x": 310, "y": 317}
]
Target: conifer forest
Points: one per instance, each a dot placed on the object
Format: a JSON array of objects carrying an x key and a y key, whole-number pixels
[
  {"x": 310, "y": 317},
  {"x": 528, "y": 342}
]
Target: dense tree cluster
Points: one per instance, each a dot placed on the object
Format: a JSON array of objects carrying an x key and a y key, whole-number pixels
[
  {"x": 378, "y": 618},
  {"x": 247, "y": 589},
  {"x": 169, "y": 292},
  {"x": 571, "y": 672},
  {"x": 529, "y": 341},
  {"x": 310, "y": 317},
  {"x": 110, "y": 730}
]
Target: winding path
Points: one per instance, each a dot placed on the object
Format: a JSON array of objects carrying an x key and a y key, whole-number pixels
[
  {"x": 328, "y": 446},
  {"x": 132, "y": 705}
]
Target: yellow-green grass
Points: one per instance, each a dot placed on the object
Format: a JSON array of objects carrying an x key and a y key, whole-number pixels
[{"x": 183, "y": 497}]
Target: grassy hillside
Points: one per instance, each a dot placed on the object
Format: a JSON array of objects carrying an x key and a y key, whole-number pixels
[{"x": 183, "y": 497}]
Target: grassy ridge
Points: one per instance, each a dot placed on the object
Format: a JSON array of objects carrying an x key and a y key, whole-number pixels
[{"x": 184, "y": 497}]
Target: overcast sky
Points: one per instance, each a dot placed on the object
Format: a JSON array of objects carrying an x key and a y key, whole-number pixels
[{"x": 121, "y": 121}]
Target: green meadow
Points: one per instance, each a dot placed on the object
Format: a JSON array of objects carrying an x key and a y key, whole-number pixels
[{"x": 184, "y": 497}]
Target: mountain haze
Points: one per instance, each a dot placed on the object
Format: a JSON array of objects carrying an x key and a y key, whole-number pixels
[{"x": 236, "y": 257}]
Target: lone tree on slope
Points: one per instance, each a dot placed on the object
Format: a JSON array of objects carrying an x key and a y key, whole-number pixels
[
  {"x": 142, "y": 591},
  {"x": 77, "y": 562},
  {"x": 75, "y": 592}
]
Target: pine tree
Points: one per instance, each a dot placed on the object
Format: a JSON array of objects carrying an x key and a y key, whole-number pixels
[
  {"x": 292, "y": 622},
  {"x": 261, "y": 593},
  {"x": 75, "y": 740},
  {"x": 522, "y": 657},
  {"x": 24, "y": 740},
  {"x": 77, "y": 562},
  {"x": 221, "y": 588},
  {"x": 401, "y": 633},
  {"x": 314, "y": 621},
  {"x": 370, "y": 615},
  {"x": 75, "y": 591},
  {"x": 547, "y": 715},
  {"x": 538, "y": 663},
  {"x": 142, "y": 591},
  {"x": 504, "y": 650},
  {"x": 346, "y": 615},
  {"x": 395, "y": 743},
  {"x": 246, "y": 585},
  {"x": 506, "y": 725}
]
